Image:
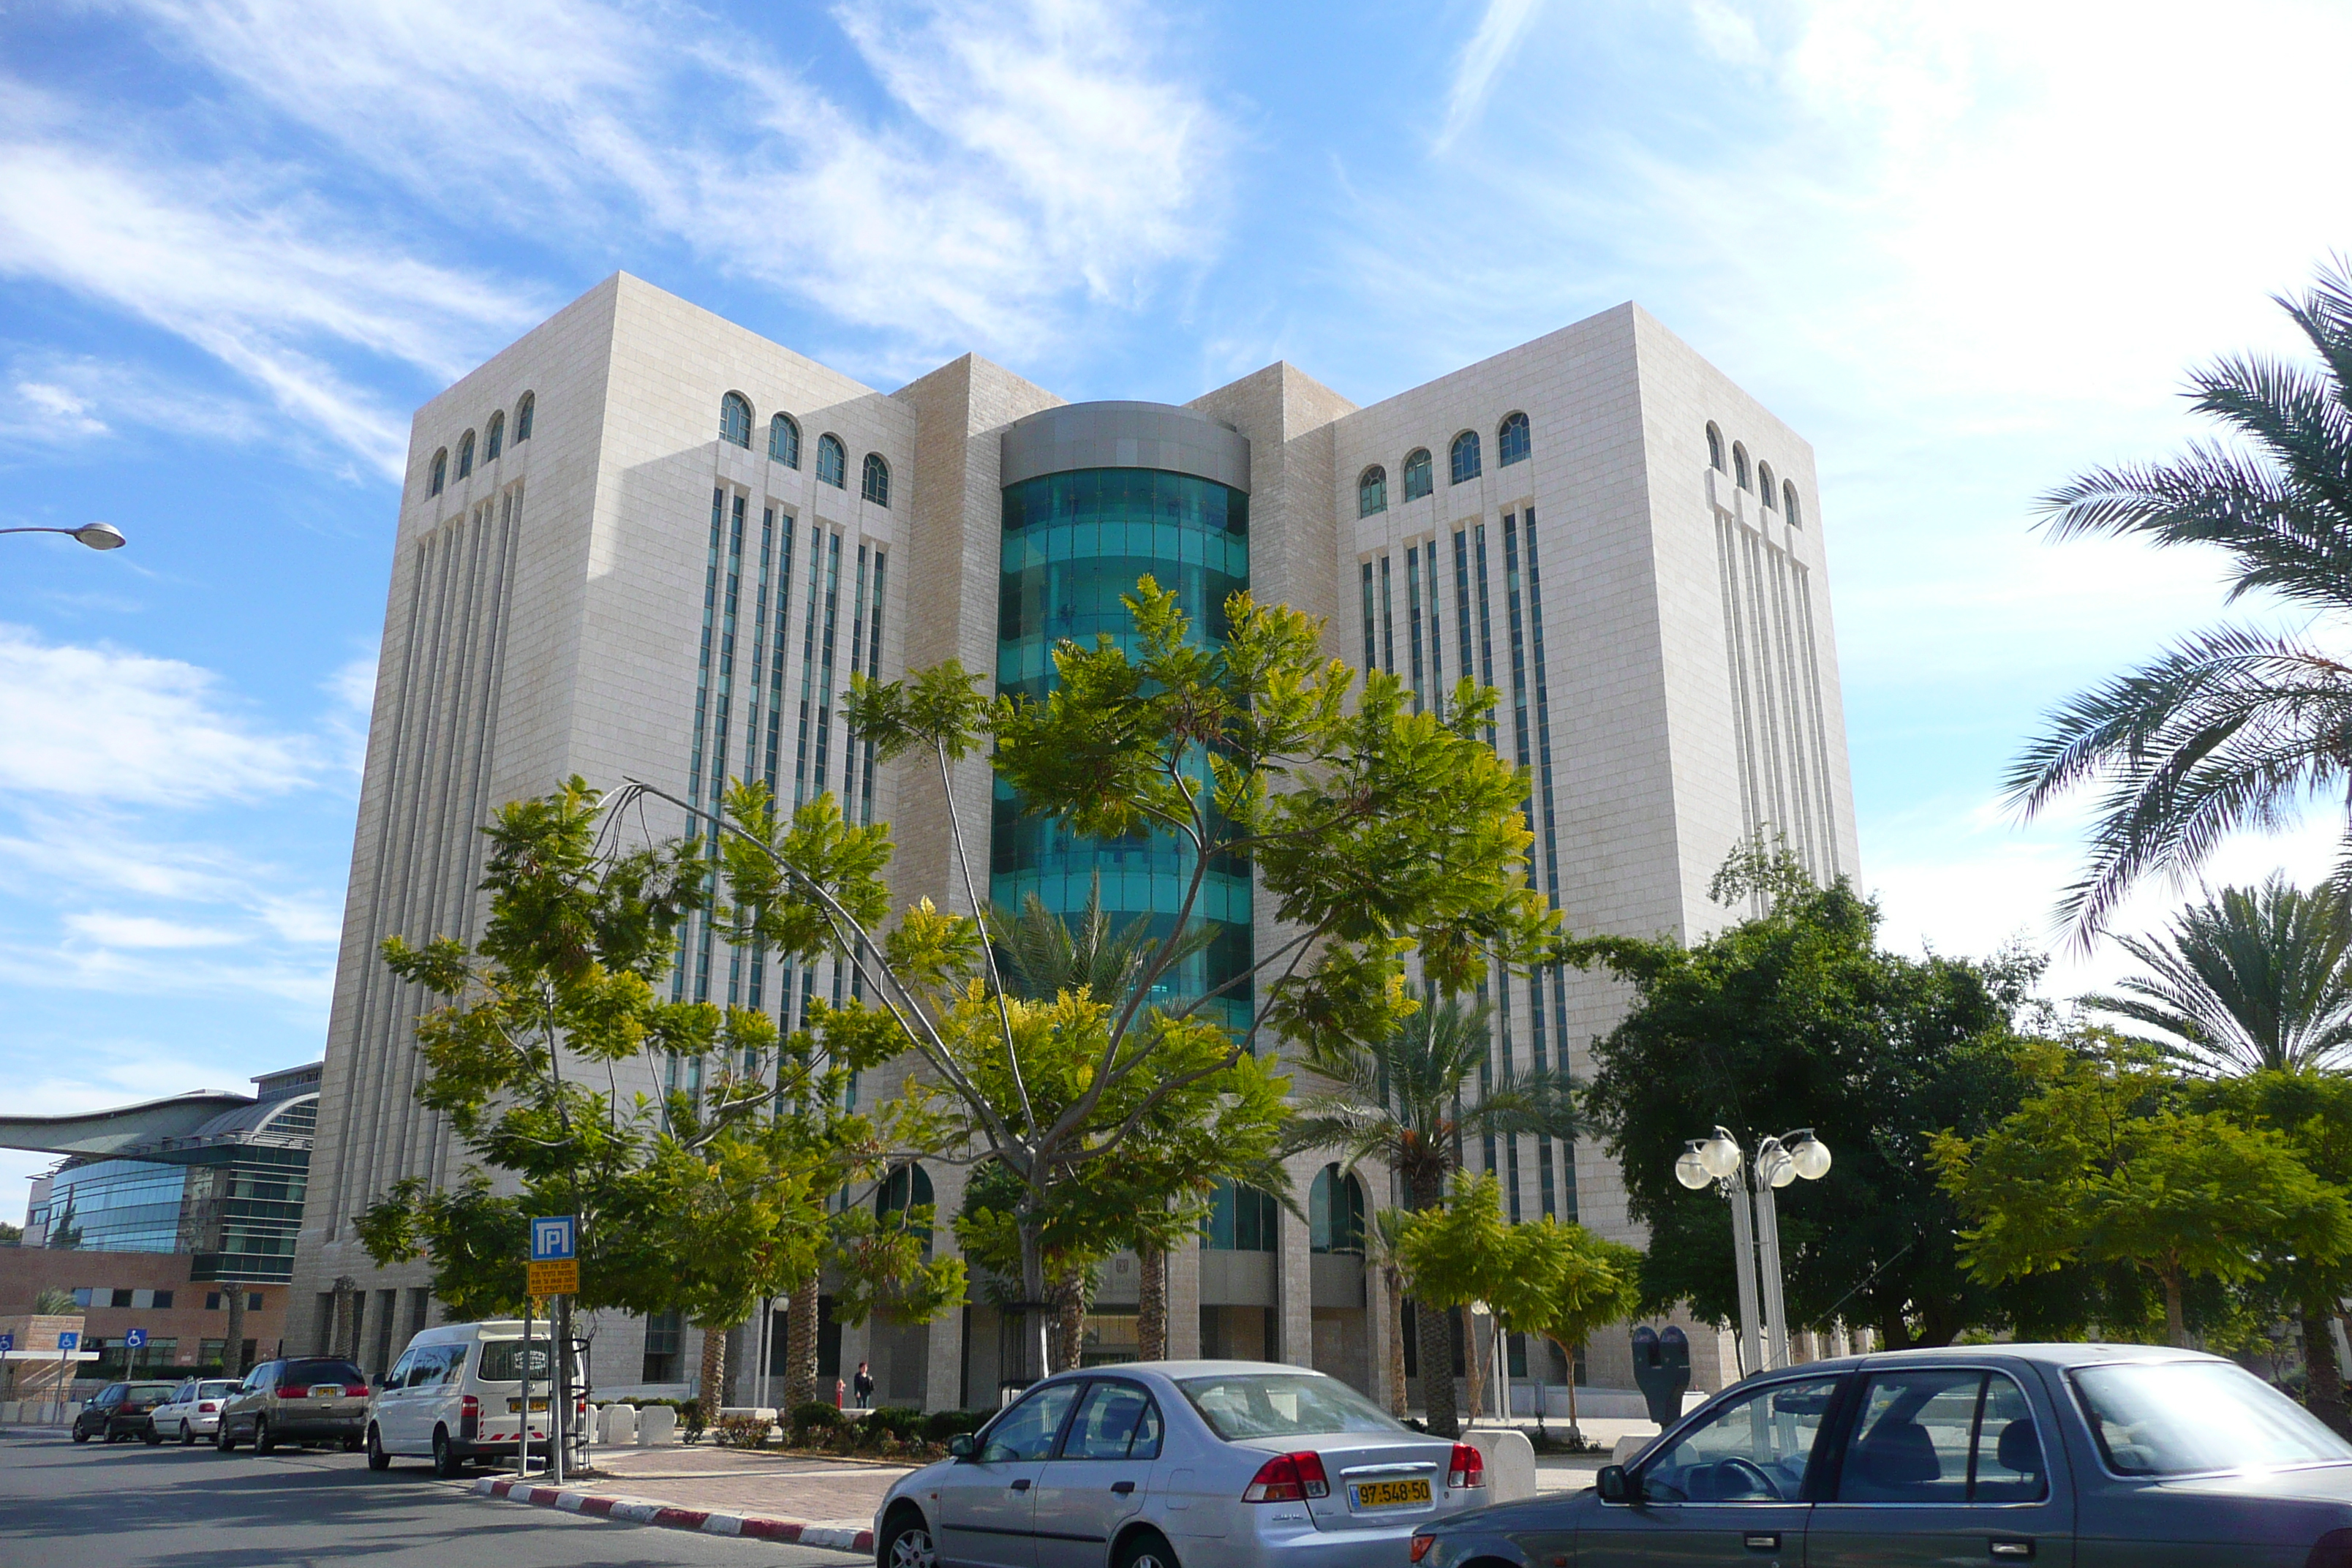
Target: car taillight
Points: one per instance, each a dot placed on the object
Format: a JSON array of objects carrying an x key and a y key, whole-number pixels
[
  {"x": 1467, "y": 1468},
  {"x": 1288, "y": 1478},
  {"x": 469, "y": 1405},
  {"x": 1421, "y": 1545},
  {"x": 207, "y": 1408},
  {"x": 356, "y": 1391}
]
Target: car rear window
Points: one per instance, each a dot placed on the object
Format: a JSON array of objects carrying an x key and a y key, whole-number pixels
[
  {"x": 502, "y": 1360},
  {"x": 216, "y": 1390},
  {"x": 305, "y": 1373},
  {"x": 1282, "y": 1404},
  {"x": 2181, "y": 1417},
  {"x": 154, "y": 1389}
]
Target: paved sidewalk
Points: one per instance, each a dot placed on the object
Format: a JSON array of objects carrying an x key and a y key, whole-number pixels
[{"x": 722, "y": 1491}]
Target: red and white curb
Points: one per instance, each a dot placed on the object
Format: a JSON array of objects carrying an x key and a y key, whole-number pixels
[{"x": 638, "y": 1511}]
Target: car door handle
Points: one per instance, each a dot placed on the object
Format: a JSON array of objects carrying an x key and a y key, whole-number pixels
[
  {"x": 1762, "y": 1540},
  {"x": 1021, "y": 1486},
  {"x": 2010, "y": 1548},
  {"x": 1122, "y": 1487}
]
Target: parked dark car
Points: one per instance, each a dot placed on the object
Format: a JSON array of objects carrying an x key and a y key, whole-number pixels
[
  {"x": 120, "y": 1410},
  {"x": 302, "y": 1399},
  {"x": 2097, "y": 1456}
]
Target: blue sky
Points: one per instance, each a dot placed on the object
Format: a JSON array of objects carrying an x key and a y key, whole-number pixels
[{"x": 1967, "y": 250}]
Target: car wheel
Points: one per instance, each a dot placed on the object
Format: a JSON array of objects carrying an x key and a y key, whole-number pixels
[
  {"x": 1145, "y": 1549},
  {"x": 222, "y": 1441},
  {"x": 81, "y": 1433},
  {"x": 445, "y": 1462},
  {"x": 263, "y": 1442},
  {"x": 148, "y": 1435},
  {"x": 187, "y": 1436},
  {"x": 908, "y": 1544},
  {"x": 377, "y": 1458}
]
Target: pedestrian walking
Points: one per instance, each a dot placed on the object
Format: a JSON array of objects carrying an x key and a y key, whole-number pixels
[{"x": 864, "y": 1385}]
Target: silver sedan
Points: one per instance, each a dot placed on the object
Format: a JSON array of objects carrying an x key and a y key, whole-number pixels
[{"x": 1157, "y": 1464}]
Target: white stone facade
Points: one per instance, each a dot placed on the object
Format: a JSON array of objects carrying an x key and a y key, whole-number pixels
[{"x": 547, "y": 617}]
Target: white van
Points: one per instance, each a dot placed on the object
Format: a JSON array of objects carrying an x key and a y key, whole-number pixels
[{"x": 456, "y": 1395}]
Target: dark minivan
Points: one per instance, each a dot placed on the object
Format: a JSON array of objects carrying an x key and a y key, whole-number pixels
[{"x": 302, "y": 1399}]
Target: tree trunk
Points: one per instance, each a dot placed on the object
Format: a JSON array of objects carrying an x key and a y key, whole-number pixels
[
  {"x": 2323, "y": 1377},
  {"x": 2176, "y": 1327},
  {"x": 1474, "y": 1365},
  {"x": 1069, "y": 1298},
  {"x": 800, "y": 1347},
  {"x": 1151, "y": 1305},
  {"x": 233, "y": 1353},
  {"x": 1426, "y": 1191},
  {"x": 713, "y": 1392},
  {"x": 1394, "y": 1284}
]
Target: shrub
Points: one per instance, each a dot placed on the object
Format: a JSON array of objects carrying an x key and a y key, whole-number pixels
[
  {"x": 898, "y": 1421},
  {"x": 741, "y": 1432},
  {"x": 815, "y": 1416},
  {"x": 941, "y": 1424}
]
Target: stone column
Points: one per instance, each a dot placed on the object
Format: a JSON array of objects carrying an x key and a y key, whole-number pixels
[
  {"x": 343, "y": 1336},
  {"x": 943, "y": 1378},
  {"x": 1294, "y": 1270}
]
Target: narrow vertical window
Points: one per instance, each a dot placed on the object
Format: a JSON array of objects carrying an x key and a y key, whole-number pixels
[
  {"x": 1788, "y": 503},
  {"x": 1420, "y": 474},
  {"x": 721, "y": 726},
  {"x": 873, "y": 672},
  {"x": 440, "y": 472},
  {"x": 817, "y": 538},
  {"x": 465, "y": 455},
  {"x": 1486, "y": 618},
  {"x": 1372, "y": 624},
  {"x": 1373, "y": 491},
  {"x": 1412, "y": 620},
  {"x": 755, "y": 701},
  {"x": 523, "y": 411},
  {"x": 702, "y": 717},
  {"x": 1764, "y": 488},
  {"x": 875, "y": 486},
  {"x": 780, "y": 636},
  {"x": 735, "y": 419},
  {"x": 1465, "y": 457},
  {"x": 784, "y": 440},
  {"x": 826, "y": 689},
  {"x": 1715, "y": 448},
  {"x": 1559, "y": 976},
  {"x": 833, "y": 461},
  {"x": 1739, "y": 465},
  {"x": 1388, "y": 621},
  {"x": 1437, "y": 659},
  {"x": 494, "y": 438},
  {"x": 857, "y": 658},
  {"x": 1513, "y": 441}
]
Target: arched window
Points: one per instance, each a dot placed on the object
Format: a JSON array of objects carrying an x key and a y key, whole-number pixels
[
  {"x": 494, "y": 438},
  {"x": 464, "y": 454},
  {"x": 1715, "y": 448},
  {"x": 833, "y": 461},
  {"x": 1335, "y": 1213},
  {"x": 1464, "y": 457},
  {"x": 1240, "y": 1219},
  {"x": 735, "y": 419},
  {"x": 1420, "y": 474},
  {"x": 440, "y": 472},
  {"x": 1739, "y": 465},
  {"x": 1764, "y": 484},
  {"x": 1789, "y": 500},
  {"x": 1512, "y": 442},
  {"x": 875, "y": 485},
  {"x": 784, "y": 440},
  {"x": 1373, "y": 491},
  {"x": 523, "y": 412},
  {"x": 909, "y": 1187}
]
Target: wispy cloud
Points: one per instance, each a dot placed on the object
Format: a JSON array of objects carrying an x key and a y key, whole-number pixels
[{"x": 1501, "y": 27}]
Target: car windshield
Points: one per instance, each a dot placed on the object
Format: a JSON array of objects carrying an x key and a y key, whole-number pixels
[
  {"x": 1281, "y": 1405},
  {"x": 307, "y": 1373},
  {"x": 502, "y": 1360},
  {"x": 216, "y": 1390},
  {"x": 2181, "y": 1418}
]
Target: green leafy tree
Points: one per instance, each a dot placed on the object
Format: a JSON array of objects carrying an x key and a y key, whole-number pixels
[
  {"x": 2111, "y": 1164},
  {"x": 2251, "y": 980},
  {"x": 1408, "y": 1099},
  {"x": 11, "y": 1235},
  {"x": 1598, "y": 1285},
  {"x": 1793, "y": 1018},
  {"x": 1455, "y": 1255},
  {"x": 1375, "y": 833},
  {"x": 2236, "y": 728}
]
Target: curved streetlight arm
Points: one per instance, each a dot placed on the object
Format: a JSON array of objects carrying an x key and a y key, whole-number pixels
[{"x": 96, "y": 535}]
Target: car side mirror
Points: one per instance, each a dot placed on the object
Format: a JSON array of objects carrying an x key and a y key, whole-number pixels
[
  {"x": 1615, "y": 1485},
  {"x": 963, "y": 1446}
]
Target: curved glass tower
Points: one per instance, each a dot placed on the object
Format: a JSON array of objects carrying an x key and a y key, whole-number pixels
[{"x": 1095, "y": 496}]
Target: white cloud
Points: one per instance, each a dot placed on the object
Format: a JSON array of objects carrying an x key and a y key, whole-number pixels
[
  {"x": 144, "y": 932},
  {"x": 1500, "y": 27},
  {"x": 61, "y": 399},
  {"x": 101, "y": 724}
]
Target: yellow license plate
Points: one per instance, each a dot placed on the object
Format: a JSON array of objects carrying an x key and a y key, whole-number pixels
[{"x": 1391, "y": 1494}]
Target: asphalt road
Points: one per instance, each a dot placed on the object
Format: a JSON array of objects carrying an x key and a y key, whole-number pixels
[{"x": 130, "y": 1505}]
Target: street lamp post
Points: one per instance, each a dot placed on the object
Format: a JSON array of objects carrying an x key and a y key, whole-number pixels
[
  {"x": 96, "y": 535},
  {"x": 1756, "y": 1226}
]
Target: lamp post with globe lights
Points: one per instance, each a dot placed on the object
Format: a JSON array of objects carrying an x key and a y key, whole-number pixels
[
  {"x": 96, "y": 535},
  {"x": 1756, "y": 1226}
]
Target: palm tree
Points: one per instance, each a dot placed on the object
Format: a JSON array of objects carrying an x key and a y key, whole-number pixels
[
  {"x": 2234, "y": 727},
  {"x": 2253, "y": 980},
  {"x": 1408, "y": 1101}
]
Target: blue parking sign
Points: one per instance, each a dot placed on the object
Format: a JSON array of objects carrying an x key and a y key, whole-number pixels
[
  {"x": 551, "y": 1239},
  {"x": 136, "y": 1339},
  {"x": 69, "y": 1340},
  {"x": 7, "y": 1344}
]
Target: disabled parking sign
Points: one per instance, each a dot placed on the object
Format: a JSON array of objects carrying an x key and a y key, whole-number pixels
[{"x": 136, "y": 1339}]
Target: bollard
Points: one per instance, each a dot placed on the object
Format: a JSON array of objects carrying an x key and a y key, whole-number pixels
[{"x": 656, "y": 1427}]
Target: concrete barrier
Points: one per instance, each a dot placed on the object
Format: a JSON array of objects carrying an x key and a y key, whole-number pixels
[
  {"x": 1510, "y": 1461},
  {"x": 618, "y": 1425},
  {"x": 656, "y": 1427},
  {"x": 1627, "y": 1447}
]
